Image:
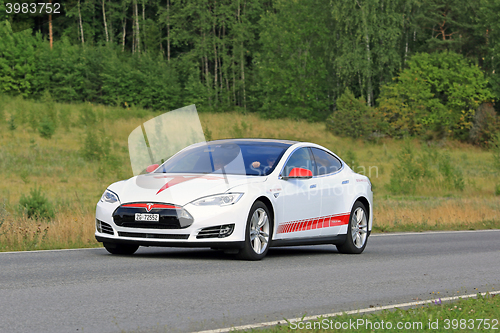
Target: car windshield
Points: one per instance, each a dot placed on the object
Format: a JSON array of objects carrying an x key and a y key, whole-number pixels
[{"x": 230, "y": 158}]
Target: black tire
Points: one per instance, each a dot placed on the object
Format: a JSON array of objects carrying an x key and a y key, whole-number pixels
[
  {"x": 122, "y": 249},
  {"x": 357, "y": 231},
  {"x": 249, "y": 252}
]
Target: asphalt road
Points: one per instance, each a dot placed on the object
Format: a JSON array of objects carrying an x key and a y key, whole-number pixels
[{"x": 184, "y": 290}]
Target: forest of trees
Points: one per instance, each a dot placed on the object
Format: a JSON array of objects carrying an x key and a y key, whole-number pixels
[{"x": 280, "y": 58}]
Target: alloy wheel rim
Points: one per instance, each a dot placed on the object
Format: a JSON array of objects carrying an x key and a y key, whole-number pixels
[
  {"x": 259, "y": 231},
  {"x": 359, "y": 227}
]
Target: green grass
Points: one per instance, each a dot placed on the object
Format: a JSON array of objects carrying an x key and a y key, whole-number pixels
[
  {"x": 426, "y": 226},
  {"x": 465, "y": 315},
  {"x": 88, "y": 150}
]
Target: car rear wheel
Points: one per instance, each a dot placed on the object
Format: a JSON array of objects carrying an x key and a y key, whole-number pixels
[
  {"x": 258, "y": 233},
  {"x": 357, "y": 231},
  {"x": 114, "y": 248}
]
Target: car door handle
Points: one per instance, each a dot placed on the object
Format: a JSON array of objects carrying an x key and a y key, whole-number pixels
[{"x": 312, "y": 186}]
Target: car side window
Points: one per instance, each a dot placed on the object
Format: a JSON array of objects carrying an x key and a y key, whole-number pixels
[
  {"x": 325, "y": 162},
  {"x": 301, "y": 158}
]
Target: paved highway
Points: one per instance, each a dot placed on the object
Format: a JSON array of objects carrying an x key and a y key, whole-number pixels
[{"x": 185, "y": 290}]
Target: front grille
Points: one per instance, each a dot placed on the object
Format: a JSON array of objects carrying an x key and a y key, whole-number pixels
[
  {"x": 165, "y": 222},
  {"x": 157, "y": 236},
  {"x": 104, "y": 228},
  {"x": 212, "y": 232},
  {"x": 169, "y": 218},
  {"x": 215, "y": 232}
]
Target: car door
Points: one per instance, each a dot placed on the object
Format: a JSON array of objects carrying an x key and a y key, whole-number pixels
[
  {"x": 299, "y": 199},
  {"x": 332, "y": 187}
]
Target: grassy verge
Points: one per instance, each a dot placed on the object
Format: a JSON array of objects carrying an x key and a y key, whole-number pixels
[
  {"x": 65, "y": 231},
  {"x": 481, "y": 314},
  {"x": 88, "y": 150},
  {"x": 435, "y": 213}
]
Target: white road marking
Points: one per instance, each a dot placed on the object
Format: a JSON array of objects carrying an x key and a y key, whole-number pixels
[
  {"x": 367, "y": 310},
  {"x": 58, "y": 250},
  {"x": 430, "y": 232},
  {"x": 372, "y": 235}
]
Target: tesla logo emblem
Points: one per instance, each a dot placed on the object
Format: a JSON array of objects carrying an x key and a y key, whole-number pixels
[{"x": 149, "y": 206}]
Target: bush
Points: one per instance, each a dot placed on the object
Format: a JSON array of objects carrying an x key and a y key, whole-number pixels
[
  {"x": 144, "y": 81},
  {"x": 496, "y": 159},
  {"x": 65, "y": 117},
  {"x": 34, "y": 115},
  {"x": 69, "y": 72},
  {"x": 353, "y": 118},
  {"x": 47, "y": 128},
  {"x": 93, "y": 149},
  {"x": 438, "y": 91},
  {"x": 17, "y": 60},
  {"x": 451, "y": 176},
  {"x": 240, "y": 131},
  {"x": 88, "y": 117},
  {"x": 485, "y": 125},
  {"x": 3, "y": 214},
  {"x": 2, "y": 110},
  {"x": 208, "y": 134},
  {"x": 97, "y": 148},
  {"x": 412, "y": 169},
  {"x": 36, "y": 205},
  {"x": 405, "y": 175},
  {"x": 351, "y": 159},
  {"x": 12, "y": 123},
  {"x": 496, "y": 152},
  {"x": 111, "y": 165}
]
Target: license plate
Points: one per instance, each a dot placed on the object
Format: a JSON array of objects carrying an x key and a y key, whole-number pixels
[{"x": 147, "y": 217}]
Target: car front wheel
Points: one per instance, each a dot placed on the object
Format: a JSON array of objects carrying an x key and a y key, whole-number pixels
[
  {"x": 123, "y": 249},
  {"x": 258, "y": 233},
  {"x": 357, "y": 231}
]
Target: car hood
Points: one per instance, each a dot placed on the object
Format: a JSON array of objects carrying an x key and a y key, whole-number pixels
[{"x": 179, "y": 189}]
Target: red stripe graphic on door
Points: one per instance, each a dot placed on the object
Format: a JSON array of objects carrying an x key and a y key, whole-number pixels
[{"x": 315, "y": 223}]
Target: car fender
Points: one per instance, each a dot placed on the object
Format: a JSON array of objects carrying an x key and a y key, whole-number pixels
[
  {"x": 117, "y": 187},
  {"x": 253, "y": 191},
  {"x": 362, "y": 191}
]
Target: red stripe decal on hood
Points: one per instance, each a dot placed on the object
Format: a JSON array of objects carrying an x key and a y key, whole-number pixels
[{"x": 181, "y": 179}]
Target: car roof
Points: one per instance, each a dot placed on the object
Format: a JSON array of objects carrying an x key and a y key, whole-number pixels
[{"x": 260, "y": 142}]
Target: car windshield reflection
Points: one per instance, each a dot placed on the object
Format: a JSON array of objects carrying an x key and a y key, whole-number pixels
[{"x": 255, "y": 159}]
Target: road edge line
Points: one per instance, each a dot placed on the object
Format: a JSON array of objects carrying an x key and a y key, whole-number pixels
[
  {"x": 436, "y": 232},
  {"x": 372, "y": 235},
  {"x": 54, "y": 250},
  {"x": 335, "y": 314}
]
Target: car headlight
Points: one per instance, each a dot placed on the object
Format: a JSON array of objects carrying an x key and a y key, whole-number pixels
[
  {"x": 109, "y": 197},
  {"x": 218, "y": 200}
]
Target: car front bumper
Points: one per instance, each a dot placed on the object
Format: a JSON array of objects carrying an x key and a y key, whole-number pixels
[
  {"x": 204, "y": 217},
  {"x": 142, "y": 242}
]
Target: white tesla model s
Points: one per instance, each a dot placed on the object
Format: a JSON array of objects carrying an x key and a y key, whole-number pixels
[{"x": 242, "y": 196}]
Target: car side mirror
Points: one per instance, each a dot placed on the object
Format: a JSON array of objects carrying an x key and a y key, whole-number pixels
[
  {"x": 152, "y": 168},
  {"x": 299, "y": 173}
]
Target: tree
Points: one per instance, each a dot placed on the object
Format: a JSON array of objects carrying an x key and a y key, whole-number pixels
[
  {"x": 438, "y": 91},
  {"x": 489, "y": 26},
  {"x": 353, "y": 118},
  {"x": 17, "y": 60},
  {"x": 368, "y": 43},
  {"x": 450, "y": 25},
  {"x": 293, "y": 67}
]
